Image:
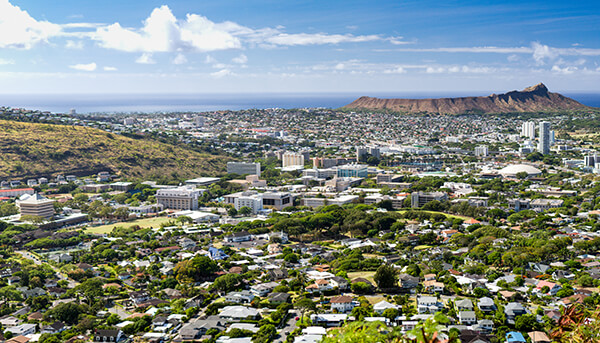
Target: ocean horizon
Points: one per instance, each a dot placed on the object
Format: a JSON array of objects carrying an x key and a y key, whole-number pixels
[{"x": 156, "y": 103}]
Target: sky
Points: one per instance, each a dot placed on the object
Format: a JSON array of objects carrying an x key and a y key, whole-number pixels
[{"x": 291, "y": 46}]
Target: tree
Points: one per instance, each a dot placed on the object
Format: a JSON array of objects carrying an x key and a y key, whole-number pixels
[
  {"x": 526, "y": 323},
  {"x": 232, "y": 212},
  {"x": 245, "y": 211},
  {"x": 66, "y": 312},
  {"x": 91, "y": 288},
  {"x": 305, "y": 305},
  {"x": 195, "y": 269},
  {"x": 227, "y": 282},
  {"x": 361, "y": 288},
  {"x": 265, "y": 334},
  {"x": 386, "y": 276}
]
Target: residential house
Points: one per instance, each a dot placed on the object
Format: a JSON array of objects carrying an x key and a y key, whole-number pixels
[
  {"x": 467, "y": 317},
  {"x": 53, "y": 328},
  {"x": 553, "y": 288},
  {"x": 23, "y": 329},
  {"x": 239, "y": 297},
  {"x": 236, "y": 313},
  {"x": 383, "y": 305},
  {"x": 328, "y": 319},
  {"x": 486, "y": 304},
  {"x": 512, "y": 310},
  {"x": 464, "y": 305},
  {"x": 108, "y": 335},
  {"x": 538, "y": 337},
  {"x": 342, "y": 303},
  {"x": 428, "y": 304},
  {"x": 407, "y": 282},
  {"x": 515, "y": 337}
]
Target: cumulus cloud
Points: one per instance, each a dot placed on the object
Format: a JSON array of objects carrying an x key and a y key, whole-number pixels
[
  {"x": 84, "y": 67},
  {"x": 566, "y": 70},
  {"x": 180, "y": 59},
  {"x": 19, "y": 30},
  {"x": 145, "y": 58},
  {"x": 241, "y": 59},
  {"x": 162, "y": 32},
  {"x": 221, "y": 73}
]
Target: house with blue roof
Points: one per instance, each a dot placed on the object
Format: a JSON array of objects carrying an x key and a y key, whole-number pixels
[
  {"x": 515, "y": 337},
  {"x": 216, "y": 254}
]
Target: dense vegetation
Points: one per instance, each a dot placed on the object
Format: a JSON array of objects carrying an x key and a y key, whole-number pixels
[{"x": 33, "y": 149}]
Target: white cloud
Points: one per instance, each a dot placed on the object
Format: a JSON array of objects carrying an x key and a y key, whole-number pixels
[
  {"x": 77, "y": 45},
  {"x": 398, "y": 70},
  {"x": 163, "y": 32},
  {"x": 542, "y": 52},
  {"x": 145, "y": 58},
  {"x": 19, "y": 30},
  {"x": 241, "y": 59},
  {"x": 221, "y": 73},
  {"x": 4, "y": 62},
  {"x": 110, "y": 69},
  {"x": 180, "y": 59},
  {"x": 565, "y": 70},
  {"x": 317, "y": 39},
  {"x": 84, "y": 67}
]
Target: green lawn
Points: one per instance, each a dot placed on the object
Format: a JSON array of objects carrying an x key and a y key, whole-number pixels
[
  {"x": 147, "y": 222},
  {"x": 451, "y": 216}
]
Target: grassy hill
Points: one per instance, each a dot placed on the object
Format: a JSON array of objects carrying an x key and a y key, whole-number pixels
[{"x": 32, "y": 149}]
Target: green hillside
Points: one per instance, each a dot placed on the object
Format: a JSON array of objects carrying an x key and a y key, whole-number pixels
[{"x": 31, "y": 149}]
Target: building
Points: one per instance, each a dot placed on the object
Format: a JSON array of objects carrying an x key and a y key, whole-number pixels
[
  {"x": 352, "y": 170},
  {"x": 36, "y": 205},
  {"x": 418, "y": 199},
  {"x": 17, "y": 192},
  {"x": 361, "y": 151},
  {"x": 528, "y": 130},
  {"x": 257, "y": 201},
  {"x": 481, "y": 151},
  {"x": 544, "y": 142},
  {"x": 181, "y": 198},
  {"x": 243, "y": 168},
  {"x": 342, "y": 303},
  {"x": 289, "y": 159},
  {"x": 251, "y": 200}
]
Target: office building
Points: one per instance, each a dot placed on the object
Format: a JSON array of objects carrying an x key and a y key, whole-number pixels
[
  {"x": 528, "y": 130},
  {"x": 352, "y": 170},
  {"x": 181, "y": 198},
  {"x": 257, "y": 201},
  {"x": 36, "y": 205},
  {"x": 243, "y": 168},
  {"x": 361, "y": 151},
  {"x": 481, "y": 151},
  {"x": 290, "y": 159},
  {"x": 544, "y": 142},
  {"x": 418, "y": 199}
]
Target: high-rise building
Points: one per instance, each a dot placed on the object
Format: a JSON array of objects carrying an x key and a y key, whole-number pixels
[
  {"x": 181, "y": 198},
  {"x": 290, "y": 159},
  {"x": 481, "y": 150},
  {"x": 36, "y": 205},
  {"x": 528, "y": 130},
  {"x": 199, "y": 121},
  {"x": 243, "y": 168},
  {"x": 361, "y": 151},
  {"x": 418, "y": 199},
  {"x": 544, "y": 142}
]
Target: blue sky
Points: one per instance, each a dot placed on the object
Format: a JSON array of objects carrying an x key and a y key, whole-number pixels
[{"x": 88, "y": 46}]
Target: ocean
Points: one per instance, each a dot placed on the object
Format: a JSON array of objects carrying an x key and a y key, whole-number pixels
[{"x": 151, "y": 103}]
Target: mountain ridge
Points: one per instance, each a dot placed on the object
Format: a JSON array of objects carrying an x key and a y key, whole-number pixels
[{"x": 531, "y": 99}]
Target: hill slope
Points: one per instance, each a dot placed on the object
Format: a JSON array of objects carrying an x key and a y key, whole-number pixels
[
  {"x": 34, "y": 150},
  {"x": 531, "y": 99}
]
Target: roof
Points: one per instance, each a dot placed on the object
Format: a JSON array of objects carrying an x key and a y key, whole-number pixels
[
  {"x": 341, "y": 299},
  {"x": 514, "y": 169}
]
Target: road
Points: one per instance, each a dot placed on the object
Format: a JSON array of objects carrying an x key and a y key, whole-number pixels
[
  {"x": 37, "y": 261},
  {"x": 290, "y": 326}
]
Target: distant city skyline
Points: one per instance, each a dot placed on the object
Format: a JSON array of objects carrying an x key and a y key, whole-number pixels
[{"x": 297, "y": 46}]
